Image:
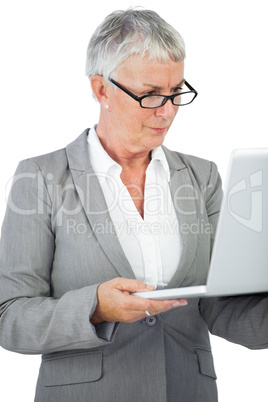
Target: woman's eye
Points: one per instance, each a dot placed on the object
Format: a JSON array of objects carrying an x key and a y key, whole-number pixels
[{"x": 150, "y": 93}]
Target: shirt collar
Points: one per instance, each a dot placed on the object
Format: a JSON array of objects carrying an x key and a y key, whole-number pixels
[
  {"x": 103, "y": 164},
  {"x": 159, "y": 155}
]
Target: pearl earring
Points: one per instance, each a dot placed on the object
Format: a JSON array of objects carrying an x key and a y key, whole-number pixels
[{"x": 107, "y": 106}]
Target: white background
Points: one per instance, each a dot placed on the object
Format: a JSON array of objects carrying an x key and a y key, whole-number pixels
[{"x": 46, "y": 103}]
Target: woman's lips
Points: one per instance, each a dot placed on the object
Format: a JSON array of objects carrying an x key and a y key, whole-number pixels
[{"x": 159, "y": 130}]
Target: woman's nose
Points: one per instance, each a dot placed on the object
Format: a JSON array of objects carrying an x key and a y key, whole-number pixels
[{"x": 167, "y": 111}]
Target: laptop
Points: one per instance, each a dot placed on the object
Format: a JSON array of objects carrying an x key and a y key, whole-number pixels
[{"x": 239, "y": 261}]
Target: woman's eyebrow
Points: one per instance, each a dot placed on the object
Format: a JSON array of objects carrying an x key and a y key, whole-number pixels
[
  {"x": 152, "y": 87},
  {"x": 179, "y": 86},
  {"x": 157, "y": 88}
]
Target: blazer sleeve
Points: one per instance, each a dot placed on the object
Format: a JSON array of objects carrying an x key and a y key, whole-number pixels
[
  {"x": 31, "y": 321},
  {"x": 239, "y": 319}
]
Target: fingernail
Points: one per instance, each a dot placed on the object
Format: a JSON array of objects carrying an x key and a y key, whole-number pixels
[
  {"x": 150, "y": 287},
  {"x": 180, "y": 303}
]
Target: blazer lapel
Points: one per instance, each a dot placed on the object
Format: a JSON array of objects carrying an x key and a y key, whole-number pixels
[
  {"x": 184, "y": 199},
  {"x": 94, "y": 204}
]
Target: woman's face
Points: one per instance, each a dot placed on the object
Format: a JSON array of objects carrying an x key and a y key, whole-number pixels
[{"x": 132, "y": 127}]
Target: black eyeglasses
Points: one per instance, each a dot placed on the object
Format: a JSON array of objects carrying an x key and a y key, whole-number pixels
[{"x": 184, "y": 97}]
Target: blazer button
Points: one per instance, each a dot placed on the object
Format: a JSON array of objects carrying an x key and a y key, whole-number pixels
[{"x": 151, "y": 321}]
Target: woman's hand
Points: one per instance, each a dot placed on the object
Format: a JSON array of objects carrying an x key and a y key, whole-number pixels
[{"x": 116, "y": 304}]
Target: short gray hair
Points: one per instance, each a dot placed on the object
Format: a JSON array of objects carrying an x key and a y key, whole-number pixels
[{"x": 130, "y": 32}]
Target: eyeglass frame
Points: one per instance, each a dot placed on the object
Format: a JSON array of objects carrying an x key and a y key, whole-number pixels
[{"x": 165, "y": 97}]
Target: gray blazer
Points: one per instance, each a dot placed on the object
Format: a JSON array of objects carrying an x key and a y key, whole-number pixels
[{"x": 58, "y": 243}]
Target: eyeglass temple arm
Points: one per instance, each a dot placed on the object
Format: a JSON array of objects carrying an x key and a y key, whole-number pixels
[
  {"x": 125, "y": 90},
  {"x": 190, "y": 86}
]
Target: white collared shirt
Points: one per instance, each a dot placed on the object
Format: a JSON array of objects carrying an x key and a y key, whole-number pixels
[{"x": 152, "y": 245}]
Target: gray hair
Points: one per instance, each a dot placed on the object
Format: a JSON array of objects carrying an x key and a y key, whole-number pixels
[{"x": 131, "y": 32}]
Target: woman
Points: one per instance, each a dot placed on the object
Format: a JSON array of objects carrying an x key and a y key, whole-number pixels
[{"x": 112, "y": 214}]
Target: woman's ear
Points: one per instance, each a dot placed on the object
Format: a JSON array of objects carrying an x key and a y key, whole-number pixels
[{"x": 99, "y": 88}]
